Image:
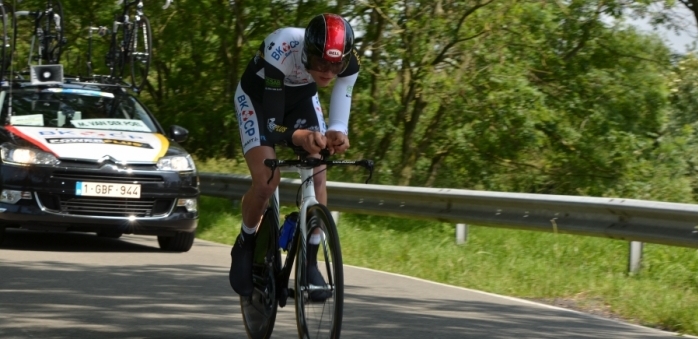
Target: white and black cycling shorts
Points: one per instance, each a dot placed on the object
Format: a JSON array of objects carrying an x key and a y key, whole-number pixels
[{"x": 254, "y": 125}]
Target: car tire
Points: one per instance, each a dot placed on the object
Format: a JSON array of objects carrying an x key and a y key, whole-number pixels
[
  {"x": 110, "y": 234},
  {"x": 180, "y": 242}
]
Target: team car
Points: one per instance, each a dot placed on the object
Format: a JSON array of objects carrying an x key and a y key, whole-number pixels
[{"x": 89, "y": 157}]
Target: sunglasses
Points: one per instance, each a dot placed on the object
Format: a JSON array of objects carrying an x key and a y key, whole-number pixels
[{"x": 317, "y": 63}]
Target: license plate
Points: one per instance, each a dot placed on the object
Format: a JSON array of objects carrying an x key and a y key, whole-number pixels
[{"x": 105, "y": 189}]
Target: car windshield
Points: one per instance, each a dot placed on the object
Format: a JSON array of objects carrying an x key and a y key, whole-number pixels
[{"x": 74, "y": 108}]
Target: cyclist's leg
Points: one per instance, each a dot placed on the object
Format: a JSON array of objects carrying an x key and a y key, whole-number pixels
[{"x": 255, "y": 200}]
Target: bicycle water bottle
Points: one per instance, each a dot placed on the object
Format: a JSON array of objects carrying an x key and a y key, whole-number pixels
[{"x": 287, "y": 230}]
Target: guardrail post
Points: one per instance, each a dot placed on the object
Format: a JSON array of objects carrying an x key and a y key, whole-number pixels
[
  {"x": 335, "y": 216},
  {"x": 461, "y": 234},
  {"x": 635, "y": 258},
  {"x": 235, "y": 203}
]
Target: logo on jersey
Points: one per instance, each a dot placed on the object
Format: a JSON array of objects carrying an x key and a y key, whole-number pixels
[
  {"x": 247, "y": 124},
  {"x": 333, "y": 53},
  {"x": 273, "y": 84},
  {"x": 284, "y": 50},
  {"x": 273, "y": 127},
  {"x": 246, "y": 115},
  {"x": 299, "y": 123}
]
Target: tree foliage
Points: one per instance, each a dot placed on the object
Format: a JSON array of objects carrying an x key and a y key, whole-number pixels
[{"x": 510, "y": 95}]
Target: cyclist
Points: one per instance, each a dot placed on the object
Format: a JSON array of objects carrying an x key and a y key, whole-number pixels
[{"x": 277, "y": 102}]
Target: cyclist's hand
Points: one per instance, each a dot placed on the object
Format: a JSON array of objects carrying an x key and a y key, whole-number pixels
[
  {"x": 311, "y": 141},
  {"x": 337, "y": 142}
]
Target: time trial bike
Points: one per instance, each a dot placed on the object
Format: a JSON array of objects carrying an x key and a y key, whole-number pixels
[{"x": 315, "y": 317}]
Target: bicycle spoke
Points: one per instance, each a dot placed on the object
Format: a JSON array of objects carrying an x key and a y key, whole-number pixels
[
  {"x": 141, "y": 50},
  {"x": 319, "y": 307},
  {"x": 259, "y": 310}
]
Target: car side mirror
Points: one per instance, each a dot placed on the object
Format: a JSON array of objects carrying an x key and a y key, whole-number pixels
[{"x": 178, "y": 133}]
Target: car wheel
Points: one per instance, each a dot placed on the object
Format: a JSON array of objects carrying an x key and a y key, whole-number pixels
[
  {"x": 110, "y": 234},
  {"x": 181, "y": 242}
]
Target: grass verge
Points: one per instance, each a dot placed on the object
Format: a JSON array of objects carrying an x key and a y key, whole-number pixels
[{"x": 584, "y": 273}]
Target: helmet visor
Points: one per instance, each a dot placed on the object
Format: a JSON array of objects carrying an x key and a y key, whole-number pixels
[{"x": 317, "y": 63}]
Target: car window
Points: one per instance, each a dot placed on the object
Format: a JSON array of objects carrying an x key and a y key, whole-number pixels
[{"x": 75, "y": 108}]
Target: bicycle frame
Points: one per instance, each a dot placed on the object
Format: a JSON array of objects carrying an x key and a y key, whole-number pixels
[
  {"x": 40, "y": 34},
  {"x": 271, "y": 278},
  {"x": 307, "y": 199}
]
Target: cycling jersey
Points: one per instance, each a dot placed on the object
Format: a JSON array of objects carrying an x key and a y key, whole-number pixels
[{"x": 277, "y": 96}]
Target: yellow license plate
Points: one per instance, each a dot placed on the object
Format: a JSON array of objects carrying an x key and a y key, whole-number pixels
[{"x": 105, "y": 189}]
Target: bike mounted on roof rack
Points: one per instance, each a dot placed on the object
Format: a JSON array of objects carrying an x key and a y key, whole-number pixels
[{"x": 128, "y": 58}]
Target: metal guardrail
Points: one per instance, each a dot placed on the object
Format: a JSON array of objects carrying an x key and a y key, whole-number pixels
[{"x": 665, "y": 223}]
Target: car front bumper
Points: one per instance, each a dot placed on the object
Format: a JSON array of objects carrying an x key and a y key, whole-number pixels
[{"x": 50, "y": 201}]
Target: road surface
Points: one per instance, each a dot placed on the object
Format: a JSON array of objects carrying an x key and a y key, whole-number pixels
[{"x": 72, "y": 285}]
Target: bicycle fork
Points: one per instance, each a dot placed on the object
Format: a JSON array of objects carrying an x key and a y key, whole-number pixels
[{"x": 299, "y": 238}]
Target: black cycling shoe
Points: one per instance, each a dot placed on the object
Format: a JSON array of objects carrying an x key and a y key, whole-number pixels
[
  {"x": 315, "y": 278},
  {"x": 240, "y": 275}
]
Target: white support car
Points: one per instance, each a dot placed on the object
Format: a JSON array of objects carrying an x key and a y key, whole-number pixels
[{"x": 89, "y": 157}]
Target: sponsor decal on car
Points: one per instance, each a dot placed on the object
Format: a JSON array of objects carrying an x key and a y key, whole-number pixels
[
  {"x": 80, "y": 92},
  {"x": 111, "y": 124},
  {"x": 97, "y": 141},
  {"x": 95, "y": 144}
]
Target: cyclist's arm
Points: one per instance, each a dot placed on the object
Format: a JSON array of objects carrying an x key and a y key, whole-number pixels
[{"x": 340, "y": 101}]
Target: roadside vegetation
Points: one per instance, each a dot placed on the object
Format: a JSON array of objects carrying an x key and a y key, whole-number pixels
[
  {"x": 583, "y": 273},
  {"x": 548, "y": 97}
]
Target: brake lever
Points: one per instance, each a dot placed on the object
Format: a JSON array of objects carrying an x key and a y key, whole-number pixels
[
  {"x": 368, "y": 164},
  {"x": 273, "y": 164}
]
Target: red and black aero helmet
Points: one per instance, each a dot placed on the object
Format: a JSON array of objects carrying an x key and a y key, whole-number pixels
[{"x": 329, "y": 40}]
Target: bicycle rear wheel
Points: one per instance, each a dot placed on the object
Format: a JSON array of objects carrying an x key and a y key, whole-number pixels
[
  {"x": 141, "y": 48},
  {"x": 259, "y": 309},
  {"x": 53, "y": 33},
  {"x": 320, "y": 318}
]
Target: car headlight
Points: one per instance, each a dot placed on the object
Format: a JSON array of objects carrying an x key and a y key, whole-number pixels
[
  {"x": 176, "y": 163},
  {"x": 26, "y": 156}
]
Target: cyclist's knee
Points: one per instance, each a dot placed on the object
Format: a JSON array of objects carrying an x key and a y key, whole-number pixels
[{"x": 263, "y": 191}]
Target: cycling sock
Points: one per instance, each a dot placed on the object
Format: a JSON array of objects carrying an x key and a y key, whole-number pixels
[
  {"x": 314, "y": 239},
  {"x": 247, "y": 232}
]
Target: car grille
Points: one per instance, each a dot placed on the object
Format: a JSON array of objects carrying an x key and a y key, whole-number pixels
[
  {"x": 82, "y": 176},
  {"x": 105, "y": 207}
]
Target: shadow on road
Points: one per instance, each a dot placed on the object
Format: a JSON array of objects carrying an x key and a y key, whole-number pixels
[
  {"x": 195, "y": 301},
  {"x": 75, "y": 285},
  {"x": 23, "y": 240},
  {"x": 443, "y": 318}
]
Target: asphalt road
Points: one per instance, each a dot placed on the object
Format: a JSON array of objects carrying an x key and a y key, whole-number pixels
[{"x": 62, "y": 285}]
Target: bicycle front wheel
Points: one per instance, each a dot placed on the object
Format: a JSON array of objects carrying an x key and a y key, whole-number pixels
[
  {"x": 319, "y": 304},
  {"x": 141, "y": 48}
]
